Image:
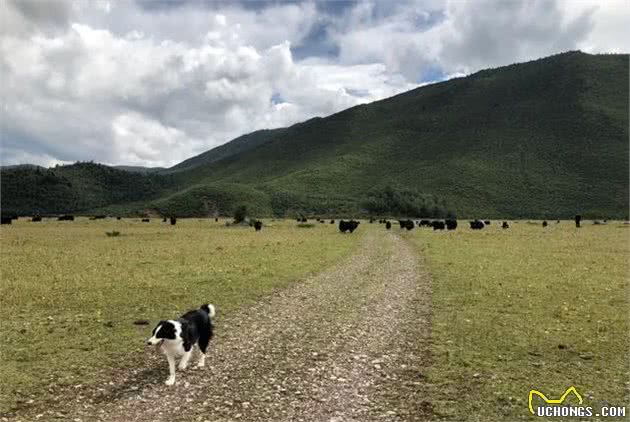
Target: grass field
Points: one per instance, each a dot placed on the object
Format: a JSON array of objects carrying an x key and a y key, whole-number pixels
[
  {"x": 513, "y": 310},
  {"x": 527, "y": 308},
  {"x": 70, "y": 293}
]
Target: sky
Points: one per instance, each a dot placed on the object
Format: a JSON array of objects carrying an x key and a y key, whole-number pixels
[{"x": 153, "y": 82}]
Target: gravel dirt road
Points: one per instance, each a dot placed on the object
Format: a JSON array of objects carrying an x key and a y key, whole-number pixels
[{"x": 349, "y": 344}]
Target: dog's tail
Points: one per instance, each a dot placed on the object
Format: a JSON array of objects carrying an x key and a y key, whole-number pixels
[{"x": 209, "y": 309}]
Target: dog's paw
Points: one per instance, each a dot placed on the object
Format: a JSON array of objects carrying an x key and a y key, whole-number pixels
[
  {"x": 182, "y": 367},
  {"x": 200, "y": 365},
  {"x": 170, "y": 381}
]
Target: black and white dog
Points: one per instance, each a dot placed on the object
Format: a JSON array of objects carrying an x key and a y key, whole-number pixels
[{"x": 177, "y": 338}]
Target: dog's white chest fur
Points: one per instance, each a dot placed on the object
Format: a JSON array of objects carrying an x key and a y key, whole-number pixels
[{"x": 173, "y": 347}]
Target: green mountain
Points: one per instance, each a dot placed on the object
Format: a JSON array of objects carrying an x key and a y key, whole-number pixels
[
  {"x": 77, "y": 187},
  {"x": 547, "y": 138},
  {"x": 240, "y": 144}
]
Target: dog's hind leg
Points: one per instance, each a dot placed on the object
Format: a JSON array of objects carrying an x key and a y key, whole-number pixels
[
  {"x": 171, "y": 369},
  {"x": 204, "y": 339},
  {"x": 202, "y": 359}
]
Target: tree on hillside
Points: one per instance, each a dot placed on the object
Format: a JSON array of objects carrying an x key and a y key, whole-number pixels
[
  {"x": 240, "y": 214},
  {"x": 404, "y": 203},
  {"x": 284, "y": 202}
]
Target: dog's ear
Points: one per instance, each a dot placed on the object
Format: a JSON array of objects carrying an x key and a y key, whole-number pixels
[
  {"x": 167, "y": 331},
  {"x": 158, "y": 325}
]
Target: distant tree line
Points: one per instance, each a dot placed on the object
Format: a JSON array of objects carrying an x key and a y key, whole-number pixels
[
  {"x": 405, "y": 202},
  {"x": 27, "y": 190}
]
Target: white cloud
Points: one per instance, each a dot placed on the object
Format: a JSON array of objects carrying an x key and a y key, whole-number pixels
[
  {"x": 610, "y": 32},
  {"x": 115, "y": 83}
]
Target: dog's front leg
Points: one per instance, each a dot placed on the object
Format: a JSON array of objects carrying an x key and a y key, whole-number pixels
[
  {"x": 183, "y": 364},
  {"x": 171, "y": 369}
]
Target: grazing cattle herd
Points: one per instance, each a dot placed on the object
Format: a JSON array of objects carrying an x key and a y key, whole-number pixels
[{"x": 344, "y": 226}]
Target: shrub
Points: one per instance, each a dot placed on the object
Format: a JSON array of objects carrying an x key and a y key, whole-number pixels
[{"x": 240, "y": 214}]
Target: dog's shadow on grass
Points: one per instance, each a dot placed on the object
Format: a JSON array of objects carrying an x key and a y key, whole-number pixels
[{"x": 127, "y": 385}]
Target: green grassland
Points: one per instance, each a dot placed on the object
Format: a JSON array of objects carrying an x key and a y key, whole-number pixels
[
  {"x": 513, "y": 310},
  {"x": 70, "y": 293},
  {"x": 527, "y": 308}
]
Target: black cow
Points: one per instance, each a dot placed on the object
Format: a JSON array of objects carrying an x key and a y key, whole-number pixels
[
  {"x": 173, "y": 221},
  {"x": 425, "y": 223},
  {"x": 118, "y": 218},
  {"x": 332, "y": 221},
  {"x": 505, "y": 225},
  {"x": 544, "y": 224},
  {"x": 477, "y": 225},
  {"x": 216, "y": 219},
  {"x": 258, "y": 225},
  {"x": 406, "y": 224},
  {"x": 578, "y": 218},
  {"x": 486, "y": 222},
  {"x": 5, "y": 220},
  {"x": 350, "y": 226},
  {"x": 36, "y": 218},
  {"x": 438, "y": 225},
  {"x": 164, "y": 220},
  {"x": 66, "y": 218},
  {"x": 145, "y": 220},
  {"x": 388, "y": 225},
  {"x": 451, "y": 224}
]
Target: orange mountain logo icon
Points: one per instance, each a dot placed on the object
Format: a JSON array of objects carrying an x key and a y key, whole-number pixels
[{"x": 570, "y": 390}]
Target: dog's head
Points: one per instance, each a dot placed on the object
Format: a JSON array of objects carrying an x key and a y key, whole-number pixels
[{"x": 164, "y": 330}]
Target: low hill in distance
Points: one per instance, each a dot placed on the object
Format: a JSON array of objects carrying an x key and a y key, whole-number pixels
[
  {"x": 77, "y": 187},
  {"x": 547, "y": 139}
]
